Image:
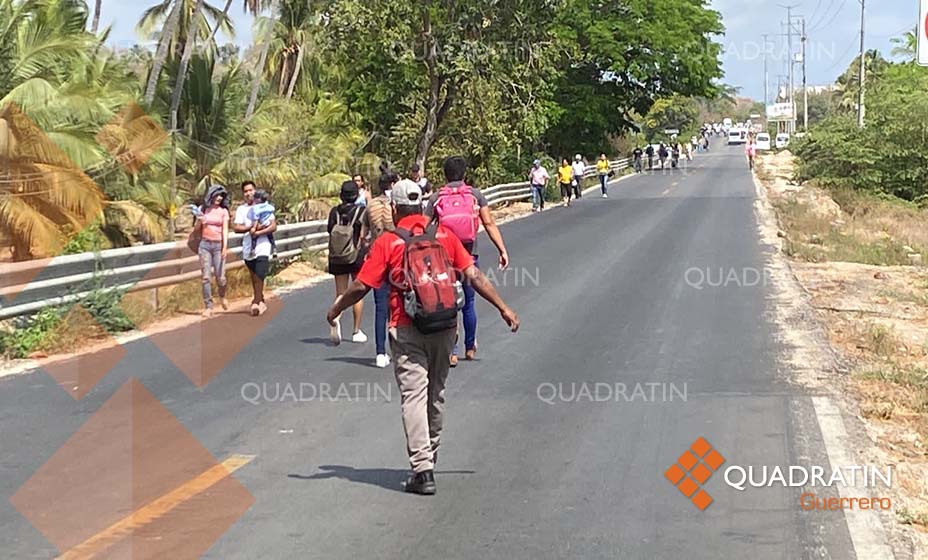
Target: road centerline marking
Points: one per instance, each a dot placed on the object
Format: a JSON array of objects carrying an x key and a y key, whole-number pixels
[{"x": 158, "y": 508}]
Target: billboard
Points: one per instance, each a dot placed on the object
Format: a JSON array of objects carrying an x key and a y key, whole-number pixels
[{"x": 781, "y": 111}]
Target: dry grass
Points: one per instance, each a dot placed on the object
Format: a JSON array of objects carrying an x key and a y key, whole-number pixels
[
  {"x": 855, "y": 239},
  {"x": 852, "y": 253}
]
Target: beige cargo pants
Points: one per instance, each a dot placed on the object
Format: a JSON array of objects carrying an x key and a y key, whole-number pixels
[{"x": 421, "y": 364}]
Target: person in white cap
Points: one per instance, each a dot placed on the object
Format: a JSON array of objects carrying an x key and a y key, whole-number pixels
[
  {"x": 579, "y": 170},
  {"x": 420, "y": 354},
  {"x": 538, "y": 178}
]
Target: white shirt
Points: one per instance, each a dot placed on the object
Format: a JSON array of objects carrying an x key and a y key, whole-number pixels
[
  {"x": 263, "y": 245},
  {"x": 579, "y": 168},
  {"x": 539, "y": 175}
]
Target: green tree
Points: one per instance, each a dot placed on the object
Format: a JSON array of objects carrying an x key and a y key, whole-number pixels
[
  {"x": 414, "y": 64},
  {"x": 623, "y": 56},
  {"x": 906, "y": 46},
  {"x": 175, "y": 21},
  {"x": 676, "y": 112}
]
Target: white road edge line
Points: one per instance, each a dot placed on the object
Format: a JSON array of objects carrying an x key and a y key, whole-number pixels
[
  {"x": 868, "y": 536},
  {"x": 867, "y": 533}
]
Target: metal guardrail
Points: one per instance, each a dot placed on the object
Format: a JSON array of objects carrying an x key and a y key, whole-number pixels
[{"x": 27, "y": 287}]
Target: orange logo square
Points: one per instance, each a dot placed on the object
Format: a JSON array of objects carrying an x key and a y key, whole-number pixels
[{"x": 693, "y": 469}]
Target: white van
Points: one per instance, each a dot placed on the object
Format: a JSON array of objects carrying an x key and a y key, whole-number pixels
[
  {"x": 782, "y": 140},
  {"x": 737, "y": 136},
  {"x": 763, "y": 141}
]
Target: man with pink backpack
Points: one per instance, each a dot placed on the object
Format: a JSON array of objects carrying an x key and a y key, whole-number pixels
[{"x": 462, "y": 208}]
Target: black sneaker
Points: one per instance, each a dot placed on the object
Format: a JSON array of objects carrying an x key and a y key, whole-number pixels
[{"x": 421, "y": 483}]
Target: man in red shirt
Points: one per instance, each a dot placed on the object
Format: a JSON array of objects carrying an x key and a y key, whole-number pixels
[{"x": 421, "y": 361}]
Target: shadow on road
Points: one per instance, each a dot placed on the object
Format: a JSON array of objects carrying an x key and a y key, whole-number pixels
[
  {"x": 389, "y": 479},
  {"x": 367, "y": 362},
  {"x": 317, "y": 340}
]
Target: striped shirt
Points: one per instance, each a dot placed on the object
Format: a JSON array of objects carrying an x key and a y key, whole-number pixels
[{"x": 379, "y": 217}]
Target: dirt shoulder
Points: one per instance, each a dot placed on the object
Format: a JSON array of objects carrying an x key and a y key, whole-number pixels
[{"x": 858, "y": 259}]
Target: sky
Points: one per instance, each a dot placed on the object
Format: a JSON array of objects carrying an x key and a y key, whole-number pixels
[{"x": 833, "y": 28}]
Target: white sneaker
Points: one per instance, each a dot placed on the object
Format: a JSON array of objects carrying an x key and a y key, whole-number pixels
[
  {"x": 336, "y": 334},
  {"x": 383, "y": 360},
  {"x": 605, "y": 196},
  {"x": 359, "y": 337}
]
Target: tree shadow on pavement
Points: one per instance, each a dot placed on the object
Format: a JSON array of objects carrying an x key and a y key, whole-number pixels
[{"x": 388, "y": 479}]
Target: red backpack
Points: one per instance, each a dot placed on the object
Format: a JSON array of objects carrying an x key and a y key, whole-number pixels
[
  {"x": 456, "y": 209},
  {"x": 433, "y": 294}
]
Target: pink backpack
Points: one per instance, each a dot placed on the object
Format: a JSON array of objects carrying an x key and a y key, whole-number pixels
[{"x": 456, "y": 209}]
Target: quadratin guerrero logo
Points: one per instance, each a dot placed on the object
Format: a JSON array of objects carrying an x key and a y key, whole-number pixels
[
  {"x": 858, "y": 486},
  {"x": 693, "y": 469}
]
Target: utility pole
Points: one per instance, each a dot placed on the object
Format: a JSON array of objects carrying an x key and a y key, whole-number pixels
[
  {"x": 789, "y": 32},
  {"x": 766, "y": 73},
  {"x": 805, "y": 83},
  {"x": 861, "y": 108},
  {"x": 791, "y": 61}
]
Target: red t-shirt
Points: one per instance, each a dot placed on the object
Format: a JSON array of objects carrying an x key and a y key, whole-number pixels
[{"x": 386, "y": 255}]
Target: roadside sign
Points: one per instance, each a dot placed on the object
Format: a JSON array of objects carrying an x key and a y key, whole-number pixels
[
  {"x": 781, "y": 111},
  {"x": 671, "y": 131},
  {"x": 922, "y": 31}
]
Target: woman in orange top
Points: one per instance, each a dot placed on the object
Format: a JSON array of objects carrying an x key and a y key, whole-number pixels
[{"x": 213, "y": 223}]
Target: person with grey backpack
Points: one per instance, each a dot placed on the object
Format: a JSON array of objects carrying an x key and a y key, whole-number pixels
[{"x": 346, "y": 254}]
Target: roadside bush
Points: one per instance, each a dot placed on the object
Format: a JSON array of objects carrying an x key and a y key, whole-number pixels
[
  {"x": 29, "y": 333},
  {"x": 104, "y": 307},
  {"x": 888, "y": 155}
]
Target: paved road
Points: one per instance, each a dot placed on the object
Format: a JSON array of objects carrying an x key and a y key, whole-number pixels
[{"x": 519, "y": 478}]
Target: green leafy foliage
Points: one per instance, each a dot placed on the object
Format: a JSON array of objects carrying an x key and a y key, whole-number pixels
[
  {"x": 103, "y": 306},
  {"x": 621, "y": 57},
  {"x": 29, "y": 333},
  {"x": 888, "y": 155}
]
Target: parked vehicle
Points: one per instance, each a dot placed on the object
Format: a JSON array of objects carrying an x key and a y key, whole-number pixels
[
  {"x": 763, "y": 141},
  {"x": 782, "y": 140},
  {"x": 737, "y": 136}
]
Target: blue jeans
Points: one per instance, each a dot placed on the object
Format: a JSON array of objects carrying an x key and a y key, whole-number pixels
[
  {"x": 470, "y": 315},
  {"x": 603, "y": 182},
  {"x": 538, "y": 196},
  {"x": 211, "y": 263},
  {"x": 381, "y": 314}
]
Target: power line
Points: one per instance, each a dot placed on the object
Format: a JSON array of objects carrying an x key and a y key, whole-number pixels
[
  {"x": 833, "y": 17},
  {"x": 831, "y": 3}
]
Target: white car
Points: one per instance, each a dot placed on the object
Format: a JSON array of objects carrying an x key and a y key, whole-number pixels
[
  {"x": 737, "y": 136},
  {"x": 782, "y": 140},
  {"x": 763, "y": 141}
]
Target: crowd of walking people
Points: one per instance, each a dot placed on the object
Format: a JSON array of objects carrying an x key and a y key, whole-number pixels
[{"x": 416, "y": 247}]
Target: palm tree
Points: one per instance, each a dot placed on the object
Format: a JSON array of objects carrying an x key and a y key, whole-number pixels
[
  {"x": 906, "y": 46},
  {"x": 225, "y": 14},
  {"x": 96, "y": 16},
  {"x": 178, "y": 19},
  {"x": 42, "y": 192},
  {"x": 291, "y": 45},
  {"x": 161, "y": 56},
  {"x": 184, "y": 62},
  {"x": 255, "y": 7},
  {"x": 206, "y": 113}
]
